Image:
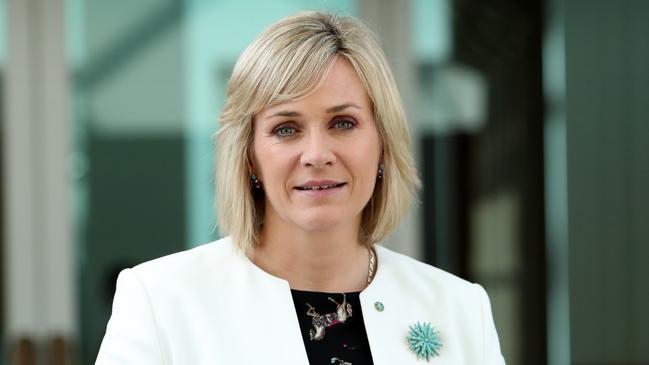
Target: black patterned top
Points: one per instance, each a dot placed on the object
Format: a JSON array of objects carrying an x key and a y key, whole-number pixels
[{"x": 332, "y": 328}]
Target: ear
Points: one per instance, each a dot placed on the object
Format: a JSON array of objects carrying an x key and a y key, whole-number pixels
[
  {"x": 253, "y": 166},
  {"x": 250, "y": 157}
]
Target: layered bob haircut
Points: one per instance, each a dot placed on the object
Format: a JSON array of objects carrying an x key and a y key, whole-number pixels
[{"x": 286, "y": 62}]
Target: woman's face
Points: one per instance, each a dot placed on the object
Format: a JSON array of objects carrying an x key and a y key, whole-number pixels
[{"x": 317, "y": 156}]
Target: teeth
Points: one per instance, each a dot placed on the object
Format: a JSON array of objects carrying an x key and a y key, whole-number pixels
[{"x": 318, "y": 187}]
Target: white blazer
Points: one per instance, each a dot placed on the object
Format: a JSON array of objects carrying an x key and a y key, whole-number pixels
[{"x": 212, "y": 305}]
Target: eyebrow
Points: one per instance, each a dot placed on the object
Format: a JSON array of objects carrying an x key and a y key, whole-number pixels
[{"x": 333, "y": 109}]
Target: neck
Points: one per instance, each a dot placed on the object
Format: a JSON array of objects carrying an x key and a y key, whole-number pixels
[{"x": 327, "y": 261}]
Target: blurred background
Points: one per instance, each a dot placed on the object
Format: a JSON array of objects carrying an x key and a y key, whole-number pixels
[{"x": 531, "y": 131}]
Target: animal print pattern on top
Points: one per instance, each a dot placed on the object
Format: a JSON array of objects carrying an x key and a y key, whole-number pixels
[
  {"x": 321, "y": 322},
  {"x": 332, "y": 328}
]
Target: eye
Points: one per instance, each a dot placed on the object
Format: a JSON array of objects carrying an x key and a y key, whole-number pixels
[
  {"x": 284, "y": 131},
  {"x": 344, "y": 124}
]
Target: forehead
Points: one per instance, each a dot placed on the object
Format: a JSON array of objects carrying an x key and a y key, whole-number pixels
[{"x": 339, "y": 85}]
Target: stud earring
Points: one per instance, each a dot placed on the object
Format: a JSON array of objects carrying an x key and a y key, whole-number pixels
[
  {"x": 379, "y": 175},
  {"x": 255, "y": 182}
]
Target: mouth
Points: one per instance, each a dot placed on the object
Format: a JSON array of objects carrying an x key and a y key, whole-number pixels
[{"x": 320, "y": 187}]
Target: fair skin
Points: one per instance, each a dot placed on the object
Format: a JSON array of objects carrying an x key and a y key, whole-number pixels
[{"x": 327, "y": 139}]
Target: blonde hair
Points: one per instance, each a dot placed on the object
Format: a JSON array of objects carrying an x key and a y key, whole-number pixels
[{"x": 287, "y": 61}]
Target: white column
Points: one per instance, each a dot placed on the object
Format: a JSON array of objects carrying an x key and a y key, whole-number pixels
[{"x": 39, "y": 248}]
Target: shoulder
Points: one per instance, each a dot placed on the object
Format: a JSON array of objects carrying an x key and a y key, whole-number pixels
[
  {"x": 192, "y": 265},
  {"x": 423, "y": 277},
  {"x": 406, "y": 265},
  {"x": 421, "y": 292}
]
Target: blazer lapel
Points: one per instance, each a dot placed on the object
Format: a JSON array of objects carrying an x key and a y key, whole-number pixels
[
  {"x": 392, "y": 303},
  {"x": 265, "y": 317}
]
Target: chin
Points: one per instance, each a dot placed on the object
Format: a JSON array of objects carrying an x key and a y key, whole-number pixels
[
  {"x": 319, "y": 225},
  {"x": 320, "y": 221}
]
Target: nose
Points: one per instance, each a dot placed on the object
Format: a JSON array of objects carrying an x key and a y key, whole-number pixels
[{"x": 317, "y": 151}]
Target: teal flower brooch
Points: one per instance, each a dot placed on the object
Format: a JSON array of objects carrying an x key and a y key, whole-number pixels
[{"x": 423, "y": 340}]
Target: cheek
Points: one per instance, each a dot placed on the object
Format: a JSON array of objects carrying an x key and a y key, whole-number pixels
[
  {"x": 371, "y": 151},
  {"x": 259, "y": 158},
  {"x": 271, "y": 167},
  {"x": 366, "y": 165}
]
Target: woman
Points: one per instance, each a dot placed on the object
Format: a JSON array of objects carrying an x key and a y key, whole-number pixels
[{"x": 313, "y": 169}]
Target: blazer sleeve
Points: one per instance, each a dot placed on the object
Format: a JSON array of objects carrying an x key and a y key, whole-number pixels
[
  {"x": 131, "y": 337},
  {"x": 491, "y": 345}
]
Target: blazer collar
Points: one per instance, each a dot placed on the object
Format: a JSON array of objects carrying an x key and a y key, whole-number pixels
[
  {"x": 277, "y": 299},
  {"x": 383, "y": 259}
]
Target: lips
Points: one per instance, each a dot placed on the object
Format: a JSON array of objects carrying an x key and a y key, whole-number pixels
[{"x": 320, "y": 185}]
